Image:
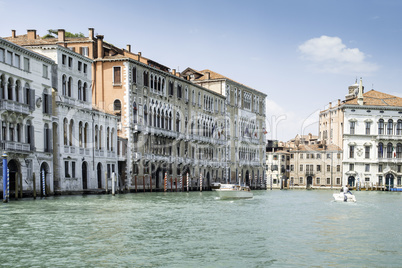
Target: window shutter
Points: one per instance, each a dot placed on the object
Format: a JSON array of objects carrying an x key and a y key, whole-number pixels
[
  {"x": 49, "y": 102},
  {"x": 50, "y": 141},
  {"x": 32, "y": 134},
  {"x": 44, "y": 103},
  {"x": 32, "y": 99}
]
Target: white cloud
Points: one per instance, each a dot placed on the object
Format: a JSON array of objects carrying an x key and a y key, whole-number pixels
[
  {"x": 330, "y": 55},
  {"x": 286, "y": 124}
]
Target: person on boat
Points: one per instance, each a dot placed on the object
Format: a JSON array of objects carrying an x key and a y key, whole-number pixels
[{"x": 346, "y": 191}]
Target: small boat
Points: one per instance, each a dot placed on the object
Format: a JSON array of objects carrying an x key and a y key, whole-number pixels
[
  {"x": 340, "y": 197},
  {"x": 233, "y": 191}
]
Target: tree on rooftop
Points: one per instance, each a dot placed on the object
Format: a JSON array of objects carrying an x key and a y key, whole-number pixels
[{"x": 53, "y": 34}]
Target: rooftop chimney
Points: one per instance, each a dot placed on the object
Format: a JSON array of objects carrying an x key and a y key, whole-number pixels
[
  {"x": 174, "y": 71},
  {"x": 31, "y": 34},
  {"x": 62, "y": 35},
  {"x": 91, "y": 33},
  {"x": 208, "y": 75},
  {"x": 100, "y": 46},
  {"x": 360, "y": 94},
  {"x": 330, "y": 105},
  {"x": 129, "y": 48},
  {"x": 339, "y": 102},
  {"x": 139, "y": 56},
  {"x": 13, "y": 33}
]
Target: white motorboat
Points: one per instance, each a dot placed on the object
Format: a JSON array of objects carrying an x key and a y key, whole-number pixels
[
  {"x": 340, "y": 197},
  {"x": 233, "y": 191}
]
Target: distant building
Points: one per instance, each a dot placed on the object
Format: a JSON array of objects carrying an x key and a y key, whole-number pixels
[
  {"x": 370, "y": 132},
  {"x": 277, "y": 164}
]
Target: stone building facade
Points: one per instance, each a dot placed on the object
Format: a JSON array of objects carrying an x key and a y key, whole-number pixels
[{"x": 82, "y": 140}]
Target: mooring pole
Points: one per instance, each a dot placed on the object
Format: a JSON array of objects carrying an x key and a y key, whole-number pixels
[
  {"x": 5, "y": 200},
  {"x": 106, "y": 186},
  {"x": 34, "y": 185},
  {"x": 165, "y": 182},
  {"x": 16, "y": 185},
  {"x": 20, "y": 177},
  {"x": 113, "y": 181},
  {"x": 150, "y": 182},
  {"x": 135, "y": 182},
  {"x": 200, "y": 182},
  {"x": 175, "y": 181},
  {"x": 143, "y": 183},
  {"x": 187, "y": 183},
  {"x": 171, "y": 184},
  {"x": 43, "y": 184}
]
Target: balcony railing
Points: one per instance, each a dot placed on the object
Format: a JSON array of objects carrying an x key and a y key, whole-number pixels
[
  {"x": 16, "y": 146},
  {"x": 13, "y": 106}
]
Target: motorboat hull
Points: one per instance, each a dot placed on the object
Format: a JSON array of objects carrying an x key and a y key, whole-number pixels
[
  {"x": 231, "y": 191},
  {"x": 341, "y": 197}
]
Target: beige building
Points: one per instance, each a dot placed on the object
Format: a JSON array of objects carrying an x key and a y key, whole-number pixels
[
  {"x": 315, "y": 165},
  {"x": 171, "y": 123}
]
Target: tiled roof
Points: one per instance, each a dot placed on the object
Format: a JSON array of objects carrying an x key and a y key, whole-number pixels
[
  {"x": 376, "y": 98},
  {"x": 319, "y": 147}
]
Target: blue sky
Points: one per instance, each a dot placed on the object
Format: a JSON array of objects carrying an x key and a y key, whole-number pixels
[{"x": 301, "y": 53}]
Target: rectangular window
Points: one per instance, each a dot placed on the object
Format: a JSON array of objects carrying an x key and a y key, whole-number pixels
[
  {"x": 66, "y": 169},
  {"x": 84, "y": 51},
  {"x": 338, "y": 155},
  {"x": 70, "y": 62},
  {"x": 9, "y": 59},
  {"x": 26, "y": 64},
  {"x": 380, "y": 180},
  {"x": 399, "y": 168},
  {"x": 318, "y": 181},
  {"x": 301, "y": 180},
  {"x": 79, "y": 66},
  {"x": 379, "y": 168},
  {"x": 338, "y": 168},
  {"x": 301, "y": 156},
  {"x": 292, "y": 167},
  {"x": 1, "y": 55},
  {"x": 367, "y": 168},
  {"x": 301, "y": 167},
  {"x": 352, "y": 127},
  {"x": 351, "y": 151},
  {"x": 368, "y": 126},
  {"x": 85, "y": 68},
  {"x": 63, "y": 59},
  {"x": 351, "y": 167},
  {"x": 45, "y": 71},
  {"x": 318, "y": 168},
  {"x": 318, "y": 156},
  {"x": 338, "y": 181},
  {"x": 398, "y": 181},
  {"x": 73, "y": 169},
  {"x": 117, "y": 75},
  {"x": 17, "y": 62},
  {"x": 328, "y": 180},
  {"x": 307, "y": 156},
  {"x": 328, "y": 168},
  {"x": 367, "y": 152}
]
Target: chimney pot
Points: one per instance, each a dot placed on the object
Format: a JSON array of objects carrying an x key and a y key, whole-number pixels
[
  {"x": 61, "y": 35},
  {"x": 91, "y": 33},
  {"x": 13, "y": 33},
  {"x": 129, "y": 48},
  {"x": 100, "y": 46},
  {"x": 31, "y": 34}
]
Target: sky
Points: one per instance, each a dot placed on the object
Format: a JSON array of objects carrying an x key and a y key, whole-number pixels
[{"x": 302, "y": 53}]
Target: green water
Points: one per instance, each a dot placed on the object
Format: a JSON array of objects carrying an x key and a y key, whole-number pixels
[{"x": 274, "y": 229}]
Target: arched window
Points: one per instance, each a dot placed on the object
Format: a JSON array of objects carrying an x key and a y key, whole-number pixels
[
  {"x": 2, "y": 86},
  {"x": 135, "y": 113},
  {"x": 389, "y": 150},
  {"x": 162, "y": 119},
  {"x": 193, "y": 96},
  {"x": 399, "y": 127},
  {"x": 158, "y": 118},
  {"x": 170, "y": 121},
  {"x": 146, "y": 79},
  {"x": 399, "y": 150},
  {"x": 69, "y": 86},
  {"x": 71, "y": 130},
  {"x": 64, "y": 85},
  {"x": 100, "y": 137},
  {"x": 107, "y": 139},
  {"x": 10, "y": 88},
  {"x": 111, "y": 140},
  {"x": 84, "y": 92},
  {"x": 145, "y": 115},
  {"x": 152, "y": 81},
  {"x": 134, "y": 75},
  {"x": 166, "y": 120},
  {"x": 380, "y": 150},
  {"x": 390, "y": 127},
  {"x": 155, "y": 117},
  {"x": 47, "y": 138},
  {"x": 117, "y": 105},
  {"x": 17, "y": 90},
  {"x": 65, "y": 130},
  {"x": 177, "y": 122},
  {"x": 86, "y": 135},
  {"x": 381, "y": 127},
  {"x": 80, "y": 134},
  {"x": 79, "y": 90},
  {"x": 96, "y": 137}
]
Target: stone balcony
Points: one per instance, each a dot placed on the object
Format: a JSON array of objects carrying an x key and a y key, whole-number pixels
[
  {"x": 13, "y": 106},
  {"x": 14, "y": 146}
]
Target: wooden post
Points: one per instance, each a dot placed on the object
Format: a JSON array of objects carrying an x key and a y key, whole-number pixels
[
  {"x": 20, "y": 177},
  {"x": 187, "y": 183},
  {"x": 143, "y": 183},
  {"x": 171, "y": 184},
  {"x": 150, "y": 182},
  {"x": 106, "y": 186},
  {"x": 165, "y": 182},
  {"x": 135, "y": 182},
  {"x": 34, "y": 185},
  {"x": 16, "y": 186},
  {"x": 176, "y": 183},
  {"x": 113, "y": 181}
]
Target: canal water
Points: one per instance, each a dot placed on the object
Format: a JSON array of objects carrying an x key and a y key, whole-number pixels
[{"x": 276, "y": 228}]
